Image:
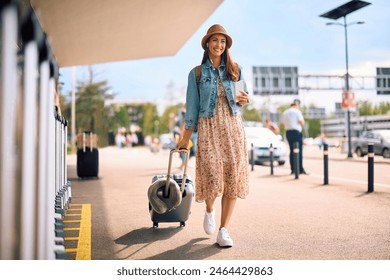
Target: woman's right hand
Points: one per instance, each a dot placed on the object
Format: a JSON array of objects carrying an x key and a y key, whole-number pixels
[{"x": 183, "y": 144}]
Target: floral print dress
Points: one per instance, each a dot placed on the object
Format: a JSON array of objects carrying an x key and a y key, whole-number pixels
[{"x": 222, "y": 164}]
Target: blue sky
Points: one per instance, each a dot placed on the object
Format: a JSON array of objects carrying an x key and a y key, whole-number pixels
[{"x": 265, "y": 33}]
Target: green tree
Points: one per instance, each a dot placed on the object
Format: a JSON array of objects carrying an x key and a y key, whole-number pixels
[
  {"x": 91, "y": 113},
  {"x": 365, "y": 108},
  {"x": 281, "y": 109},
  {"x": 169, "y": 117},
  {"x": 383, "y": 107},
  {"x": 149, "y": 119},
  {"x": 314, "y": 127},
  {"x": 251, "y": 114},
  {"x": 122, "y": 118},
  {"x": 89, "y": 103},
  {"x": 116, "y": 117}
]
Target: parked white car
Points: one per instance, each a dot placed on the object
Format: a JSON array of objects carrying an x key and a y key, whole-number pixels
[{"x": 262, "y": 138}]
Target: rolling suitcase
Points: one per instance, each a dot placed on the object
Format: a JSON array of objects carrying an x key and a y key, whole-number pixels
[
  {"x": 181, "y": 212},
  {"x": 87, "y": 157}
]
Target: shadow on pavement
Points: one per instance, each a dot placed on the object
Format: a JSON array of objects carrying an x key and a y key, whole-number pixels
[
  {"x": 189, "y": 251},
  {"x": 145, "y": 236},
  {"x": 85, "y": 179},
  {"x": 378, "y": 194},
  {"x": 275, "y": 175}
]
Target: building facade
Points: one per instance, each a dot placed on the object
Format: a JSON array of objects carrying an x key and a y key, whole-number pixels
[
  {"x": 337, "y": 127},
  {"x": 271, "y": 80},
  {"x": 382, "y": 81}
]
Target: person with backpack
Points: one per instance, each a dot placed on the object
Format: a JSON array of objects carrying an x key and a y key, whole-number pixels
[{"x": 213, "y": 111}]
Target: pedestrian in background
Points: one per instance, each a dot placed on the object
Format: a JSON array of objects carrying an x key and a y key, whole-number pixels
[
  {"x": 212, "y": 111},
  {"x": 271, "y": 126},
  {"x": 119, "y": 139},
  {"x": 293, "y": 122}
]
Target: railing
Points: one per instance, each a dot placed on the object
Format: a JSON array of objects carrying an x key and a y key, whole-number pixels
[{"x": 34, "y": 190}]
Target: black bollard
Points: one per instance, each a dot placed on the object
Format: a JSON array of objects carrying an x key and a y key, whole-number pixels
[
  {"x": 326, "y": 165},
  {"x": 296, "y": 159},
  {"x": 271, "y": 156},
  {"x": 252, "y": 157},
  {"x": 370, "y": 167}
]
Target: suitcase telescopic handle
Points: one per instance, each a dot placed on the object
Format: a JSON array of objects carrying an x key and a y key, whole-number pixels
[
  {"x": 90, "y": 141},
  {"x": 83, "y": 141},
  {"x": 187, "y": 152}
]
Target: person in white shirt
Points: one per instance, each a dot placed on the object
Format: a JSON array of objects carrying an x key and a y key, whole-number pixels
[{"x": 293, "y": 122}]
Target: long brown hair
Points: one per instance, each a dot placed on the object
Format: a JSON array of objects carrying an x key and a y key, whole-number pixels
[{"x": 231, "y": 67}]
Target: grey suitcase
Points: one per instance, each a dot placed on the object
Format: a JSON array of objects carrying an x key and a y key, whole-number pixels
[{"x": 180, "y": 213}]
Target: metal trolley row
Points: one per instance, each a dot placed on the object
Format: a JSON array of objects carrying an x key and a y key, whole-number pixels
[{"x": 34, "y": 190}]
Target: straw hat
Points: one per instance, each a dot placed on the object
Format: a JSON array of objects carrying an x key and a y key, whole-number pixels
[{"x": 216, "y": 29}]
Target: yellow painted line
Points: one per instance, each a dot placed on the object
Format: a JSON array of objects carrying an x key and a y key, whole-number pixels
[
  {"x": 73, "y": 228},
  {"x": 71, "y": 238},
  {"x": 72, "y": 215},
  {"x": 71, "y": 250},
  {"x": 76, "y": 204},
  {"x": 72, "y": 221},
  {"x": 84, "y": 244}
]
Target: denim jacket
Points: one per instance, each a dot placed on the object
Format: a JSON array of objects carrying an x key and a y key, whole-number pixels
[{"x": 202, "y": 104}]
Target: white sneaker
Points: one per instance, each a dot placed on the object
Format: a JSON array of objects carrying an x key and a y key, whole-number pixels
[
  {"x": 209, "y": 222},
  {"x": 223, "y": 238}
]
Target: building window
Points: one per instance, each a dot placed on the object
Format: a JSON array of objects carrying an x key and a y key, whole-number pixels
[
  {"x": 287, "y": 83},
  {"x": 263, "y": 82},
  {"x": 275, "y": 82},
  {"x": 384, "y": 82},
  {"x": 256, "y": 82},
  {"x": 378, "y": 83}
]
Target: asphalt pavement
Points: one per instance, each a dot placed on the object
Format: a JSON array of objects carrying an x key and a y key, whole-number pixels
[{"x": 282, "y": 218}]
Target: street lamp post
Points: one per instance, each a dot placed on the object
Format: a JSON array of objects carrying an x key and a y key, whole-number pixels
[
  {"x": 73, "y": 112},
  {"x": 345, "y": 25},
  {"x": 343, "y": 11}
]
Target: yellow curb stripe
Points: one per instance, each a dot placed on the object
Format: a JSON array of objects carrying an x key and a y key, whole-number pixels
[
  {"x": 71, "y": 238},
  {"x": 71, "y": 250},
  {"x": 72, "y": 215},
  {"x": 84, "y": 244},
  {"x": 73, "y": 228},
  {"x": 72, "y": 221}
]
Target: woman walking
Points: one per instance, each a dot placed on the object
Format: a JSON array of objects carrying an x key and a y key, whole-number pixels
[{"x": 215, "y": 113}]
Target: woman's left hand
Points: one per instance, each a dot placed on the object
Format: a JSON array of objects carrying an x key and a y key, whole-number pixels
[{"x": 243, "y": 98}]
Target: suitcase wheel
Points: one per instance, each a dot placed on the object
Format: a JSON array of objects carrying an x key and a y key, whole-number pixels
[
  {"x": 155, "y": 225},
  {"x": 182, "y": 224}
]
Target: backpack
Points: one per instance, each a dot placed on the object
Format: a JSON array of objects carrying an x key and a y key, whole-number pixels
[{"x": 197, "y": 75}]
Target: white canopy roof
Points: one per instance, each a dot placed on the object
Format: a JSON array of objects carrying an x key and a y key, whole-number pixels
[{"x": 97, "y": 31}]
